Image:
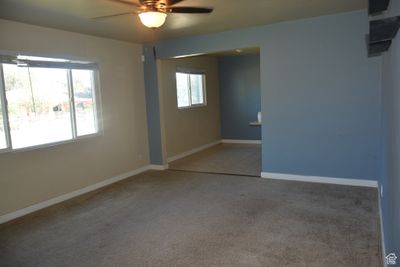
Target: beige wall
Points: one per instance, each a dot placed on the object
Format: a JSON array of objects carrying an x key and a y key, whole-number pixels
[
  {"x": 187, "y": 129},
  {"x": 30, "y": 177}
]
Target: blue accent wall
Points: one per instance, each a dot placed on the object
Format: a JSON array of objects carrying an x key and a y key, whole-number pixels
[
  {"x": 240, "y": 96},
  {"x": 321, "y": 99},
  {"x": 391, "y": 141},
  {"x": 152, "y": 106},
  {"x": 320, "y": 93}
]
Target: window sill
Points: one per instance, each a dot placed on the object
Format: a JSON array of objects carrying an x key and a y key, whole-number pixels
[
  {"x": 193, "y": 107},
  {"x": 49, "y": 145}
]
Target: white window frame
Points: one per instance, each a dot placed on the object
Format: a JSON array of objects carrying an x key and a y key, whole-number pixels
[
  {"x": 194, "y": 72},
  {"x": 3, "y": 102},
  {"x": 75, "y": 138}
]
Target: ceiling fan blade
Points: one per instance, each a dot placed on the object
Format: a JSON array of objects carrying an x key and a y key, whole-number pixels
[
  {"x": 199, "y": 10},
  {"x": 156, "y": 2},
  {"x": 172, "y": 2},
  {"x": 114, "y": 15},
  {"x": 127, "y": 2}
]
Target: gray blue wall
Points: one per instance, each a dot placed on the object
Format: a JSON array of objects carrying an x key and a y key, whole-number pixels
[
  {"x": 391, "y": 142},
  {"x": 321, "y": 99},
  {"x": 240, "y": 96},
  {"x": 152, "y": 106},
  {"x": 320, "y": 93}
]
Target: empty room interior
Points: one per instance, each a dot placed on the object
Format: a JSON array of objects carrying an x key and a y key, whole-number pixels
[{"x": 199, "y": 133}]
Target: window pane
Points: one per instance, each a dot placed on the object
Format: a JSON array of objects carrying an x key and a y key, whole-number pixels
[
  {"x": 3, "y": 143},
  {"x": 196, "y": 83},
  {"x": 38, "y": 105},
  {"x": 84, "y": 102},
  {"x": 182, "y": 89}
]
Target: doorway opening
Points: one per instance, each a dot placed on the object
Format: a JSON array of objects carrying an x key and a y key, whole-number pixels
[{"x": 211, "y": 109}]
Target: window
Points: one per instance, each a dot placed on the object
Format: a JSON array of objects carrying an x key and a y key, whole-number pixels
[
  {"x": 3, "y": 140},
  {"x": 47, "y": 101},
  {"x": 85, "y": 108},
  {"x": 190, "y": 89}
]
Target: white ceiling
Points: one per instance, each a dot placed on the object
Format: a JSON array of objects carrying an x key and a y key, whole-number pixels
[{"x": 75, "y": 15}]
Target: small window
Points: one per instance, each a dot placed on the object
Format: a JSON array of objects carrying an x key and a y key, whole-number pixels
[
  {"x": 190, "y": 89},
  {"x": 48, "y": 101}
]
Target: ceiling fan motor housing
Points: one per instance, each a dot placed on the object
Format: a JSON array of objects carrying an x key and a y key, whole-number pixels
[{"x": 154, "y": 5}]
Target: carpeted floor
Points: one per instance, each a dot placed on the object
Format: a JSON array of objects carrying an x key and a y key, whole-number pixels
[
  {"x": 171, "y": 218},
  {"x": 241, "y": 159}
]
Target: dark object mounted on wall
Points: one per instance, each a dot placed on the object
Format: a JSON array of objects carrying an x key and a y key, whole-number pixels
[
  {"x": 376, "y": 49},
  {"x": 381, "y": 34},
  {"x": 377, "y": 6},
  {"x": 383, "y": 29}
]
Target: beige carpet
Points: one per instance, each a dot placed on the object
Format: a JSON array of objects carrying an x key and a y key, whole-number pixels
[
  {"x": 241, "y": 159},
  {"x": 174, "y": 218}
]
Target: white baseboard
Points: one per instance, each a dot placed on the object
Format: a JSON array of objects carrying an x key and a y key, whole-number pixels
[
  {"x": 382, "y": 229},
  {"x": 234, "y": 141},
  {"x": 319, "y": 179},
  {"x": 190, "y": 152},
  {"x": 158, "y": 167},
  {"x": 19, "y": 213}
]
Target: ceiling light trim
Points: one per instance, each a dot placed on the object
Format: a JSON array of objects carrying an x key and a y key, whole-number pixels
[{"x": 153, "y": 19}]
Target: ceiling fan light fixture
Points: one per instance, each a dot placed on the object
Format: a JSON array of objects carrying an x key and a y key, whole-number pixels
[{"x": 153, "y": 19}]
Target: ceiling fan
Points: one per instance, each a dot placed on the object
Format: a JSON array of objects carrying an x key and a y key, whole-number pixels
[{"x": 153, "y": 13}]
